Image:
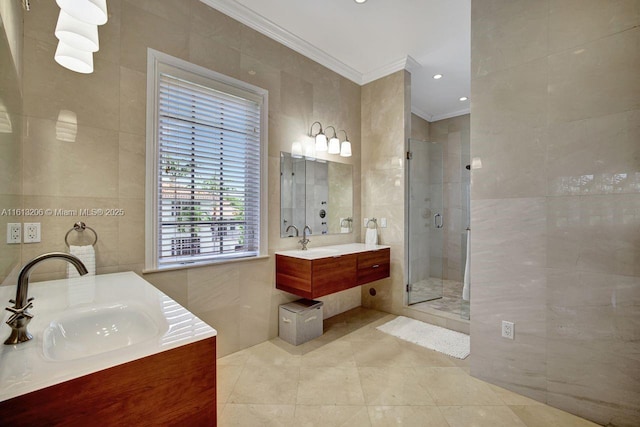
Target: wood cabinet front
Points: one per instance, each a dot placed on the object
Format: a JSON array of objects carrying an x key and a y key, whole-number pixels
[{"x": 324, "y": 276}]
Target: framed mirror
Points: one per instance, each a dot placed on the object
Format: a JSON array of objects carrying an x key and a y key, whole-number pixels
[{"x": 317, "y": 193}]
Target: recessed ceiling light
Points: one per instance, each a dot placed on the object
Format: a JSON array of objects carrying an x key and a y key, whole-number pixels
[
  {"x": 437, "y": 76},
  {"x": 463, "y": 98},
  {"x": 360, "y": 1}
]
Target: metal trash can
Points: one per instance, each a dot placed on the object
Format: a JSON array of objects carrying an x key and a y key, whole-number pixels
[{"x": 300, "y": 321}]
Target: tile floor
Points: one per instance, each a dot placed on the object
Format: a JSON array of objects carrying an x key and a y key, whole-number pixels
[
  {"x": 357, "y": 376},
  {"x": 447, "y": 294}
]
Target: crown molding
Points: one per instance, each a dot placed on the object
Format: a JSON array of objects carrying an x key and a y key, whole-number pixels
[
  {"x": 259, "y": 23},
  {"x": 405, "y": 63},
  {"x": 450, "y": 115},
  {"x": 421, "y": 113},
  {"x": 264, "y": 26}
]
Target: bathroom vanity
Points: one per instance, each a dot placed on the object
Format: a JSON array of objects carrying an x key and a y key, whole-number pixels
[
  {"x": 321, "y": 271},
  {"x": 108, "y": 349}
]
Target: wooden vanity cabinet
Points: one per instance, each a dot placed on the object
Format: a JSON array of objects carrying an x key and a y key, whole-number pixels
[
  {"x": 171, "y": 388},
  {"x": 323, "y": 276}
]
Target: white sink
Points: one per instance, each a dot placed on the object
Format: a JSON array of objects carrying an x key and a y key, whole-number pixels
[
  {"x": 90, "y": 323},
  {"x": 94, "y": 330},
  {"x": 330, "y": 251}
]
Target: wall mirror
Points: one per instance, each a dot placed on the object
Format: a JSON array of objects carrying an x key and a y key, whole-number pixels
[{"x": 317, "y": 193}]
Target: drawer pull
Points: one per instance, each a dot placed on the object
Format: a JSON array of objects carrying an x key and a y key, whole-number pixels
[
  {"x": 375, "y": 266},
  {"x": 285, "y": 320},
  {"x": 310, "y": 319}
]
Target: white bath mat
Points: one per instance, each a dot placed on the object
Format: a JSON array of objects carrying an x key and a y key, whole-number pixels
[{"x": 452, "y": 343}]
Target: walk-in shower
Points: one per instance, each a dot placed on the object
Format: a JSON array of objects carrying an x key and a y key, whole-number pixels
[{"x": 438, "y": 221}]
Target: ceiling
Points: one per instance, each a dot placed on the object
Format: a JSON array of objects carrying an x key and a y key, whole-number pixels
[{"x": 364, "y": 42}]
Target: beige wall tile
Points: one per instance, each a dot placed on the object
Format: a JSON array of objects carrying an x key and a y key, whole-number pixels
[
  {"x": 570, "y": 258},
  {"x": 214, "y": 55},
  {"x": 133, "y": 101},
  {"x": 575, "y": 22},
  {"x": 93, "y": 97},
  {"x": 141, "y": 29},
  {"x": 503, "y": 40},
  {"x": 606, "y": 84}
]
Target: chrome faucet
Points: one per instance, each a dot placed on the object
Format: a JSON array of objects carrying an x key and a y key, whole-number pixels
[
  {"x": 292, "y": 226},
  {"x": 21, "y": 316},
  {"x": 304, "y": 240}
]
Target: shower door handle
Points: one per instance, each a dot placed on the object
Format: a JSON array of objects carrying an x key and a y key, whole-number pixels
[{"x": 438, "y": 224}]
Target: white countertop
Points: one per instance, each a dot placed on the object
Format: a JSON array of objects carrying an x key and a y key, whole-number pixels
[
  {"x": 26, "y": 367},
  {"x": 331, "y": 251}
]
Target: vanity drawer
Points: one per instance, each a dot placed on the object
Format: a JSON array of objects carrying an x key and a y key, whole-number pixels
[
  {"x": 334, "y": 274},
  {"x": 374, "y": 265}
]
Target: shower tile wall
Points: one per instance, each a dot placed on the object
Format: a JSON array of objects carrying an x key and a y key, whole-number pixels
[
  {"x": 104, "y": 167},
  {"x": 453, "y": 135},
  {"x": 555, "y": 121}
]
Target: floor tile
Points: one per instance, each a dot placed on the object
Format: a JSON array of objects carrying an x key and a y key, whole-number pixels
[
  {"x": 227, "y": 376},
  {"x": 331, "y": 415},
  {"x": 329, "y": 386},
  {"x": 406, "y": 416},
  {"x": 546, "y": 416},
  {"x": 337, "y": 354},
  {"x": 266, "y": 385},
  {"x": 453, "y": 387},
  {"x": 243, "y": 415},
  {"x": 393, "y": 386},
  {"x": 511, "y": 398},
  {"x": 480, "y": 416}
]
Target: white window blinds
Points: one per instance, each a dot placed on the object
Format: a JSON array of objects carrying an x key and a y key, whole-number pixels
[{"x": 208, "y": 170}]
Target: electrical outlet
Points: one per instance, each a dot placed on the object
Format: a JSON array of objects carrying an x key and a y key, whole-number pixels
[
  {"x": 14, "y": 232},
  {"x": 508, "y": 330},
  {"x": 31, "y": 232},
  {"x": 366, "y": 221},
  {"x": 383, "y": 222}
]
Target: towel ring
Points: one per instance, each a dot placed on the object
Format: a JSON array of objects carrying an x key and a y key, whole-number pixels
[
  {"x": 80, "y": 227},
  {"x": 375, "y": 223}
]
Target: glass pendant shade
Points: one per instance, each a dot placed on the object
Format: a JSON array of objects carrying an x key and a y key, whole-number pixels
[
  {"x": 89, "y": 11},
  {"x": 76, "y": 33},
  {"x": 321, "y": 142},
  {"x": 334, "y": 146},
  {"x": 80, "y": 61},
  {"x": 345, "y": 150}
]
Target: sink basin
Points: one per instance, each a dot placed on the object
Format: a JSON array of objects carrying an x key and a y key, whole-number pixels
[
  {"x": 322, "y": 251},
  {"x": 94, "y": 330}
]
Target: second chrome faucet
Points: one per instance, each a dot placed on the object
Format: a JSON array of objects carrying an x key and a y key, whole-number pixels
[{"x": 304, "y": 240}]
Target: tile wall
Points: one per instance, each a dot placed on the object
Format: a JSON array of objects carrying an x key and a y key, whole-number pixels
[
  {"x": 10, "y": 132},
  {"x": 386, "y": 123},
  {"x": 104, "y": 167},
  {"x": 555, "y": 122},
  {"x": 453, "y": 135}
]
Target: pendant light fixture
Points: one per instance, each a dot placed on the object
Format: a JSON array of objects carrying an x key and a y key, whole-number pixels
[
  {"x": 80, "y": 61},
  {"x": 334, "y": 142},
  {"x": 345, "y": 148},
  {"x": 77, "y": 32},
  {"x": 90, "y": 11},
  {"x": 320, "y": 138}
]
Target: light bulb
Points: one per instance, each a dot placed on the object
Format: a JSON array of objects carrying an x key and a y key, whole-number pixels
[
  {"x": 74, "y": 59},
  {"x": 89, "y": 11},
  {"x": 334, "y": 146},
  {"x": 321, "y": 142},
  {"x": 76, "y": 33},
  {"x": 345, "y": 150}
]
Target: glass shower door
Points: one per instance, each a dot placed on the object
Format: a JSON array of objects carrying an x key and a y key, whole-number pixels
[{"x": 425, "y": 207}]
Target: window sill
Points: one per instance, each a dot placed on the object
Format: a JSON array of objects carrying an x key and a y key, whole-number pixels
[{"x": 204, "y": 264}]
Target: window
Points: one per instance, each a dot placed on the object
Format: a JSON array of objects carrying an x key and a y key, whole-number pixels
[{"x": 206, "y": 180}]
